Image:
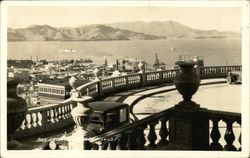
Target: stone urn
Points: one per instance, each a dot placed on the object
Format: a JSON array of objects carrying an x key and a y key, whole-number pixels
[
  {"x": 16, "y": 110},
  {"x": 187, "y": 82},
  {"x": 141, "y": 67},
  {"x": 81, "y": 115},
  {"x": 96, "y": 74},
  {"x": 72, "y": 82}
]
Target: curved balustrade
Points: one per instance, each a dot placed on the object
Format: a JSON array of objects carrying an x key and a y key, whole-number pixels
[
  {"x": 218, "y": 71},
  {"x": 47, "y": 118},
  {"x": 115, "y": 84},
  {"x": 123, "y": 138},
  {"x": 155, "y": 130}
]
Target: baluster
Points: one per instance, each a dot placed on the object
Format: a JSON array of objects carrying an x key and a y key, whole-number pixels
[
  {"x": 28, "y": 121},
  {"x": 152, "y": 135},
  {"x": 131, "y": 143},
  {"x": 44, "y": 118},
  {"x": 56, "y": 114},
  {"x": 163, "y": 132},
  {"x": 25, "y": 123},
  {"x": 87, "y": 145},
  {"x": 35, "y": 119},
  {"x": 48, "y": 116},
  {"x": 122, "y": 141},
  {"x": 63, "y": 112},
  {"x": 239, "y": 122},
  {"x": 140, "y": 138},
  {"x": 126, "y": 80},
  {"x": 101, "y": 145},
  {"x": 112, "y": 144},
  {"x": 69, "y": 109},
  {"x": 52, "y": 115},
  {"x": 229, "y": 136},
  {"x": 66, "y": 111},
  {"x": 112, "y": 83},
  {"x": 215, "y": 135},
  {"x": 60, "y": 112},
  {"x": 39, "y": 118},
  {"x": 22, "y": 125}
]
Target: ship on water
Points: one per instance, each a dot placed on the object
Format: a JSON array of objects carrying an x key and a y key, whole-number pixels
[{"x": 68, "y": 50}]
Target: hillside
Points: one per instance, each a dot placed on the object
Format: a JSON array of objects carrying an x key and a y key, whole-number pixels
[
  {"x": 116, "y": 31},
  {"x": 85, "y": 33},
  {"x": 171, "y": 29}
]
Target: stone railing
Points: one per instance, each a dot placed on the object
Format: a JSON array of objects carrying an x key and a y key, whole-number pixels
[
  {"x": 115, "y": 84},
  {"x": 46, "y": 118},
  {"x": 51, "y": 117},
  {"x": 132, "y": 136},
  {"x": 160, "y": 132},
  {"x": 218, "y": 71},
  {"x": 229, "y": 119}
]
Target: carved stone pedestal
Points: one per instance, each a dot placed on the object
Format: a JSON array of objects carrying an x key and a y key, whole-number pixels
[
  {"x": 81, "y": 115},
  {"x": 189, "y": 130},
  {"x": 16, "y": 109}
]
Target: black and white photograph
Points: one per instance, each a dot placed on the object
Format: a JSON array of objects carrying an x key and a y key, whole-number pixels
[{"x": 150, "y": 79}]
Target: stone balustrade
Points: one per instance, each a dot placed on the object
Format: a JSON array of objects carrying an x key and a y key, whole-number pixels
[
  {"x": 114, "y": 84},
  {"x": 51, "y": 117},
  {"x": 228, "y": 119},
  {"x": 156, "y": 130},
  {"x": 132, "y": 136},
  {"x": 46, "y": 118},
  {"x": 218, "y": 71}
]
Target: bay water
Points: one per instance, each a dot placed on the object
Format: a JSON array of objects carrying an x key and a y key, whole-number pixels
[{"x": 216, "y": 51}]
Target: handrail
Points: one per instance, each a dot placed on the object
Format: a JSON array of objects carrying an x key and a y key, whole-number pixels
[
  {"x": 87, "y": 85},
  {"x": 49, "y": 106},
  {"x": 223, "y": 114}
]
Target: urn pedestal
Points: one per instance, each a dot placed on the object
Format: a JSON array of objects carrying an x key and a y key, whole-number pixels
[
  {"x": 189, "y": 129},
  {"x": 96, "y": 74},
  {"x": 141, "y": 67},
  {"x": 81, "y": 115},
  {"x": 16, "y": 110}
]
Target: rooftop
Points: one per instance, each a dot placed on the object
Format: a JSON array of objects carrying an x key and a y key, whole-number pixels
[{"x": 65, "y": 82}]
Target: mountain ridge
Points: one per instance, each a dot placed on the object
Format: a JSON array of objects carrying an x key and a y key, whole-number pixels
[
  {"x": 172, "y": 29},
  {"x": 138, "y": 30}
]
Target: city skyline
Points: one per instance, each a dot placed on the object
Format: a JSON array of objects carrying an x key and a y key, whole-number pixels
[{"x": 205, "y": 18}]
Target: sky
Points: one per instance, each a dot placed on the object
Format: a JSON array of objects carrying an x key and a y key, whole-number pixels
[{"x": 207, "y": 18}]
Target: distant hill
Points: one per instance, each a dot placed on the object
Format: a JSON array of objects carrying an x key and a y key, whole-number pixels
[
  {"x": 171, "y": 29},
  {"x": 85, "y": 33},
  {"x": 115, "y": 31}
]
